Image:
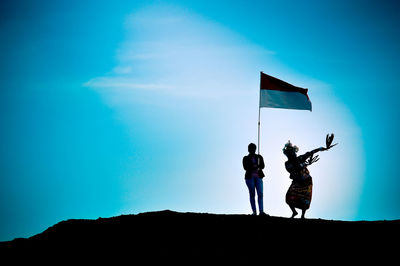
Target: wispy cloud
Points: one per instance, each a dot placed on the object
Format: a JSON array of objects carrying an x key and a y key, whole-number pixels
[
  {"x": 119, "y": 83},
  {"x": 122, "y": 70},
  {"x": 179, "y": 54}
]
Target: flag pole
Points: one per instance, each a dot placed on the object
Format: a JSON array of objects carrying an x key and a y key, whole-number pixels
[
  {"x": 259, "y": 115},
  {"x": 259, "y": 124},
  {"x": 258, "y": 144}
]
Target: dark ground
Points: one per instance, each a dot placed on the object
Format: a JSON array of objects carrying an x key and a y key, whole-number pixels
[{"x": 194, "y": 238}]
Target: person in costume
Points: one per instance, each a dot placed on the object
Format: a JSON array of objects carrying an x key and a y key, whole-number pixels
[{"x": 299, "y": 193}]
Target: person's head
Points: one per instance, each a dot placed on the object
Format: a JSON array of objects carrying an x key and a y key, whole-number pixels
[
  {"x": 252, "y": 148},
  {"x": 289, "y": 150}
]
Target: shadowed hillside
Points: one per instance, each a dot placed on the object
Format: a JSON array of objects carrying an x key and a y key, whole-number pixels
[{"x": 193, "y": 238}]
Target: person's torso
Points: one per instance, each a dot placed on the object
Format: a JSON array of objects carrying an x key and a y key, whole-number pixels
[
  {"x": 298, "y": 172},
  {"x": 254, "y": 164}
]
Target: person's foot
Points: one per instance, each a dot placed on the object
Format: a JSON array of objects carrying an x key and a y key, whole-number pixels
[
  {"x": 263, "y": 214},
  {"x": 254, "y": 214},
  {"x": 294, "y": 214}
]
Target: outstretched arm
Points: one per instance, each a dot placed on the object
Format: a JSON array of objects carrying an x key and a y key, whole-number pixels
[
  {"x": 305, "y": 156},
  {"x": 310, "y": 154}
]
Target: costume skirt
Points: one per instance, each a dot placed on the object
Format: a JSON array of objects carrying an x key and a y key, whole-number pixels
[{"x": 299, "y": 195}]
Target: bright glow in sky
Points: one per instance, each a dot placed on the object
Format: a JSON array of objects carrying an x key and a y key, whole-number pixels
[
  {"x": 152, "y": 107},
  {"x": 174, "y": 60}
]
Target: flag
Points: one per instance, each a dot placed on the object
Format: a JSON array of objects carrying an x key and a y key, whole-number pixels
[{"x": 275, "y": 93}]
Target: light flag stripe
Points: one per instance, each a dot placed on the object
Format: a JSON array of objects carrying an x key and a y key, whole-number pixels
[
  {"x": 284, "y": 99},
  {"x": 276, "y": 93}
]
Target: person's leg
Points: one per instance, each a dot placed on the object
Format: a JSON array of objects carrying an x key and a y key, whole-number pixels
[
  {"x": 252, "y": 192},
  {"x": 303, "y": 212},
  {"x": 260, "y": 194},
  {"x": 293, "y": 210}
]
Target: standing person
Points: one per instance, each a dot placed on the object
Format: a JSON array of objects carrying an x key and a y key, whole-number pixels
[
  {"x": 300, "y": 191},
  {"x": 253, "y": 164}
]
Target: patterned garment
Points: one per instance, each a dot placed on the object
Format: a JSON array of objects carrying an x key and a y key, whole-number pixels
[
  {"x": 300, "y": 191},
  {"x": 299, "y": 195}
]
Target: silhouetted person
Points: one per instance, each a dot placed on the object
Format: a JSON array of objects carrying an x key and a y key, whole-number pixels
[
  {"x": 253, "y": 164},
  {"x": 300, "y": 191}
]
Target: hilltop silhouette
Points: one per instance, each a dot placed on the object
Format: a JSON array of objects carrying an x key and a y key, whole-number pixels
[{"x": 194, "y": 238}]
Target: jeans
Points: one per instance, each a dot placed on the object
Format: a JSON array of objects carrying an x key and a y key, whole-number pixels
[{"x": 255, "y": 183}]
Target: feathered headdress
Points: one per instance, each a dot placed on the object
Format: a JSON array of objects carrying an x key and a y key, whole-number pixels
[{"x": 289, "y": 146}]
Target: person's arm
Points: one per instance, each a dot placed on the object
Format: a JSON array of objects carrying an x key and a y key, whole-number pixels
[
  {"x": 288, "y": 166},
  {"x": 245, "y": 163},
  {"x": 305, "y": 156},
  {"x": 261, "y": 162}
]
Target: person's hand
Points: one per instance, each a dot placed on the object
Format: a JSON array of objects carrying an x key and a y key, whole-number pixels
[
  {"x": 328, "y": 142},
  {"x": 312, "y": 159}
]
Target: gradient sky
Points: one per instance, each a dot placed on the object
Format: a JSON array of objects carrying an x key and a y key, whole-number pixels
[{"x": 117, "y": 107}]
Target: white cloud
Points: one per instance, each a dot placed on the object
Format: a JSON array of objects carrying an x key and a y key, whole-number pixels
[
  {"x": 122, "y": 83},
  {"x": 122, "y": 70},
  {"x": 180, "y": 54}
]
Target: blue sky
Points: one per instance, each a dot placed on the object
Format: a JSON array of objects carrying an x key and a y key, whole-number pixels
[{"x": 132, "y": 106}]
